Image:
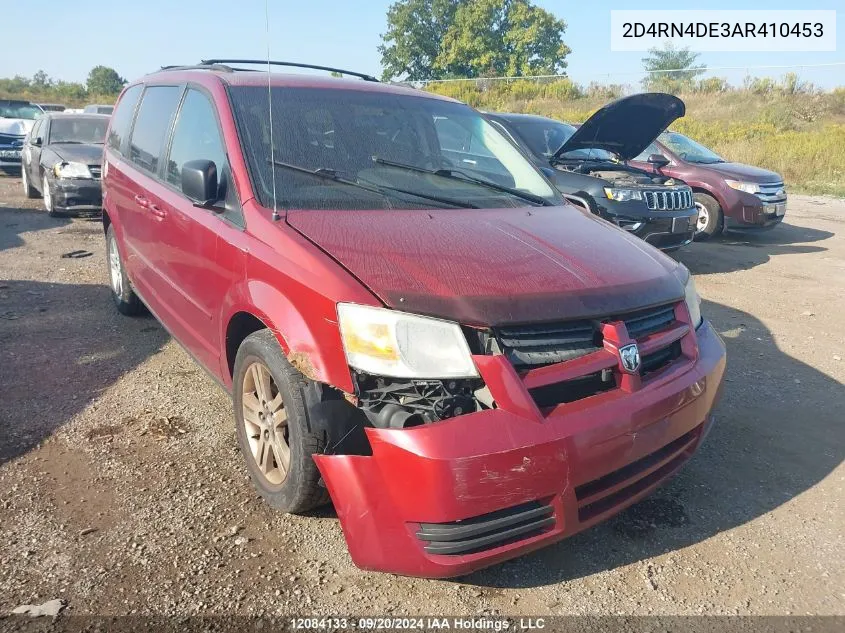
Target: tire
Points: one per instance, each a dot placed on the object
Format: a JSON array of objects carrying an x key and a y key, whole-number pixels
[
  {"x": 710, "y": 217},
  {"x": 295, "y": 488},
  {"x": 28, "y": 190},
  {"x": 48, "y": 198},
  {"x": 125, "y": 299}
]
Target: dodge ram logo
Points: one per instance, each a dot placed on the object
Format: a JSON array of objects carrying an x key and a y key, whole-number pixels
[{"x": 630, "y": 357}]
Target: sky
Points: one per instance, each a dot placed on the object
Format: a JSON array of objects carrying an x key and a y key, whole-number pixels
[{"x": 136, "y": 38}]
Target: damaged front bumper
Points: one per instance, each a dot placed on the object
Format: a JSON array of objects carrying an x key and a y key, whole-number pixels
[
  {"x": 76, "y": 194},
  {"x": 445, "y": 499}
]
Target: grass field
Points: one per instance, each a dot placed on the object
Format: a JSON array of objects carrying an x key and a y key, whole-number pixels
[{"x": 800, "y": 135}]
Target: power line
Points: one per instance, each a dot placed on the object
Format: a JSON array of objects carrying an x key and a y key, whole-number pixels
[{"x": 642, "y": 72}]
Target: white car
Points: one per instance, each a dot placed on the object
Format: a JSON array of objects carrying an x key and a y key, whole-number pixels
[{"x": 16, "y": 119}]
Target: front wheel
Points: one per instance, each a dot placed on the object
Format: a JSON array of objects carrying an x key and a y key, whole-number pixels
[
  {"x": 49, "y": 203},
  {"x": 125, "y": 299},
  {"x": 28, "y": 190},
  {"x": 710, "y": 217},
  {"x": 272, "y": 426}
]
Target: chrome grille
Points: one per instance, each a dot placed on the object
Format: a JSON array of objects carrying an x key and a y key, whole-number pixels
[
  {"x": 772, "y": 192},
  {"x": 668, "y": 199}
]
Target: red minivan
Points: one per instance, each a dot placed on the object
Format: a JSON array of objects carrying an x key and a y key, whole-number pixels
[{"x": 468, "y": 367}]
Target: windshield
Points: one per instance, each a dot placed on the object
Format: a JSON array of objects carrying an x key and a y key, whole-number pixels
[
  {"x": 19, "y": 110},
  {"x": 78, "y": 130},
  {"x": 544, "y": 138},
  {"x": 688, "y": 150},
  {"x": 393, "y": 145}
]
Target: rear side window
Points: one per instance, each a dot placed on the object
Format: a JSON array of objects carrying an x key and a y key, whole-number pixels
[
  {"x": 122, "y": 118},
  {"x": 195, "y": 136},
  {"x": 154, "y": 115}
]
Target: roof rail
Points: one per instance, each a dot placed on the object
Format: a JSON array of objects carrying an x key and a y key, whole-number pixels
[
  {"x": 218, "y": 67},
  {"x": 223, "y": 62}
]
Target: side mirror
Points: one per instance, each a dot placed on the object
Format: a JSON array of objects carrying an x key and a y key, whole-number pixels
[
  {"x": 658, "y": 161},
  {"x": 199, "y": 182},
  {"x": 37, "y": 141}
]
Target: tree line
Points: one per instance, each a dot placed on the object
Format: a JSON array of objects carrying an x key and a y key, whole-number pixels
[{"x": 103, "y": 82}]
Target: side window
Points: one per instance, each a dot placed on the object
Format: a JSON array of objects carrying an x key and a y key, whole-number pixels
[
  {"x": 195, "y": 136},
  {"x": 154, "y": 115},
  {"x": 648, "y": 151},
  {"x": 122, "y": 118},
  {"x": 36, "y": 129}
]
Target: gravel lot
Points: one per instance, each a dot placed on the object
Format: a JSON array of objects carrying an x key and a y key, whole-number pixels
[{"x": 123, "y": 490}]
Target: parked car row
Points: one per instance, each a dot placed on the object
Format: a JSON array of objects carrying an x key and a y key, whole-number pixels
[
  {"x": 624, "y": 166},
  {"x": 409, "y": 318},
  {"x": 17, "y": 120}
]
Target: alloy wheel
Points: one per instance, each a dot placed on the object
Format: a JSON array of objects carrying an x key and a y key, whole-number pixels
[
  {"x": 266, "y": 423},
  {"x": 703, "y": 217},
  {"x": 115, "y": 268}
]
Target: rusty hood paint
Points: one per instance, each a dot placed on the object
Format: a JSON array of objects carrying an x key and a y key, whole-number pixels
[{"x": 498, "y": 266}]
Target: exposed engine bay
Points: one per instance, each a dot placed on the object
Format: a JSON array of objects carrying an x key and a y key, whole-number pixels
[
  {"x": 617, "y": 174},
  {"x": 401, "y": 402}
]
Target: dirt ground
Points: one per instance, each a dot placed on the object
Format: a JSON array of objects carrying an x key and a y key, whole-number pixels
[{"x": 123, "y": 490}]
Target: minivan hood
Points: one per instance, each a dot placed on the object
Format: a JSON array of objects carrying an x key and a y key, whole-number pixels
[
  {"x": 626, "y": 126},
  {"x": 79, "y": 153},
  {"x": 739, "y": 171},
  {"x": 493, "y": 267}
]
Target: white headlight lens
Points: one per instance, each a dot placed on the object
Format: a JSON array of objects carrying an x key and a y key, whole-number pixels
[
  {"x": 623, "y": 195},
  {"x": 390, "y": 343},
  {"x": 693, "y": 303},
  {"x": 72, "y": 170},
  {"x": 747, "y": 187}
]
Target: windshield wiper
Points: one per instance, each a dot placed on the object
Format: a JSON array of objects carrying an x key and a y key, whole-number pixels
[
  {"x": 457, "y": 174},
  {"x": 331, "y": 174}
]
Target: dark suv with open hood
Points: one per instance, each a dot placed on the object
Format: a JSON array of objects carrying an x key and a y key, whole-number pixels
[
  {"x": 586, "y": 164},
  {"x": 469, "y": 367}
]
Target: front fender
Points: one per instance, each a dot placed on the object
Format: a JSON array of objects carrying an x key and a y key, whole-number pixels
[{"x": 308, "y": 335}]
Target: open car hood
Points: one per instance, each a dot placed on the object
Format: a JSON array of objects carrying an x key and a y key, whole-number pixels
[
  {"x": 495, "y": 266},
  {"x": 626, "y": 126}
]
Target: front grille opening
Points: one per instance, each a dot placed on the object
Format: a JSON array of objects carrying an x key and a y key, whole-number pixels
[
  {"x": 661, "y": 358},
  {"x": 486, "y": 531},
  {"x": 645, "y": 322},
  {"x": 631, "y": 472},
  {"x": 529, "y": 346},
  {"x": 579, "y": 388}
]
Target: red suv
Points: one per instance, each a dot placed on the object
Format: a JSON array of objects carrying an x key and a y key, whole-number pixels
[
  {"x": 728, "y": 196},
  {"x": 468, "y": 367}
]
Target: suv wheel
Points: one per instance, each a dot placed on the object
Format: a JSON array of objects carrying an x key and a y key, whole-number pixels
[
  {"x": 28, "y": 190},
  {"x": 124, "y": 297},
  {"x": 272, "y": 426},
  {"x": 710, "y": 218}
]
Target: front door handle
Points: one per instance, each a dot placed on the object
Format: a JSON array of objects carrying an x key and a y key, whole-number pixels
[
  {"x": 157, "y": 210},
  {"x": 141, "y": 201}
]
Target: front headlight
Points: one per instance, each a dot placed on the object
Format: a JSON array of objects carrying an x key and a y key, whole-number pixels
[
  {"x": 693, "y": 303},
  {"x": 747, "y": 187},
  {"x": 390, "y": 343},
  {"x": 623, "y": 195},
  {"x": 71, "y": 170}
]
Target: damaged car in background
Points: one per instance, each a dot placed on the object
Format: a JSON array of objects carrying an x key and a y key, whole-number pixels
[
  {"x": 61, "y": 161},
  {"x": 16, "y": 119},
  {"x": 440, "y": 347},
  {"x": 587, "y": 165}
]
